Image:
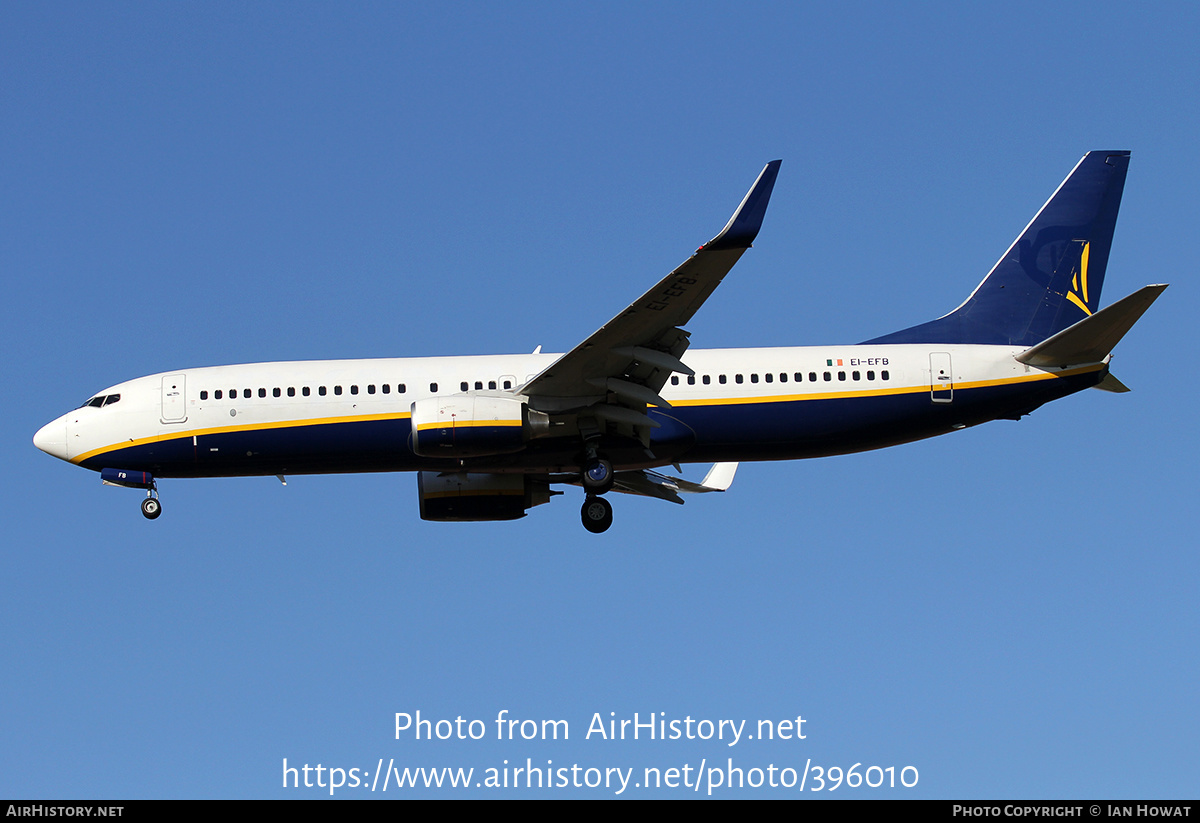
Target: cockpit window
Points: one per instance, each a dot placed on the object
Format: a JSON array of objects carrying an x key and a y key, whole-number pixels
[{"x": 102, "y": 400}]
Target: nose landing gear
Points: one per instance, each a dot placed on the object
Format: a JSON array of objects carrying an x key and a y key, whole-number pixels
[
  {"x": 151, "y": 508},
  {"x": 130, "y": 479}
]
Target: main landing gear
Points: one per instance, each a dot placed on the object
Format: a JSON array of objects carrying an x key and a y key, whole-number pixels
[
  {"x": 597, "y": 478},
  {"x": 597, "y": 514}
]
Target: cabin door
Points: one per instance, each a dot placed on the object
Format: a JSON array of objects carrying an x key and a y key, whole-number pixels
[
  {"x": 941, "y": 378},
  {"x": 174, "y": 403}
]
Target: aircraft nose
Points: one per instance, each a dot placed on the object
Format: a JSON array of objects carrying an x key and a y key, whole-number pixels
[{"x": 52, "y": 439}]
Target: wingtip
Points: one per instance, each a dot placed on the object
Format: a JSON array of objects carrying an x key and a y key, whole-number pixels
[
  {"x": 720, "y": 476},
  {"x": 743, "y": 227}
]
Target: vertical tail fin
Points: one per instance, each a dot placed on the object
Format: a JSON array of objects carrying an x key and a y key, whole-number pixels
[{"x": 1051, "y": 276}]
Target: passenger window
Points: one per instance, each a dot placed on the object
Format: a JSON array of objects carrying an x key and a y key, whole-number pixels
[
  {"x": 754, "y": 378},
  {"x": 463, "y": 386},
  {"x": 386, "y": 388},
  {"x": 400, "y": 388},
  {"x": 217, "y": 394},
  {"x": 737, "y": 378},
  {"x": 321, "y": 390},
  {"x": 262, "y": 392},
  {"x": 855, "y": 375},
  {"x": 768, "y": 377},
  {"x": 433, "y": 387},
  {"x": 884, "y": 374},
  {"x": 275, "y": 392},
  {"x": 721, "y": 379},
  {"x": 233, "y": 394},
  {"x": 337, "y": 390},
  {"x": 371, "y": 388},
  {"x": 706, "y": 379},
  {"x": 812, "y": 377},
  {"x": 247, "y": 393},
  {"x": 291, "y": 391},
  {"x": 674, "y": 380},
  {"x": 827, "y": 376},
  {"x": 782, "y": 377},
  {"x": 691, "y": 379},
  {"x": 204, "y": 395},
  {"x": 508, "y": 384},
  {"x": 841, "y": 375},
  {"x": 305, "y": 391},
  {"x": 870, "y": 375},
  {"x": 492, "y": 385},
  {"x": 354, "y": 389},
  {"x": 799, "y": 377},
  {"x": 478, "y": 385}
]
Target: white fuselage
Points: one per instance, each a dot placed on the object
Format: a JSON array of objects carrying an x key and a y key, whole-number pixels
[{"x": 310, "y": 396}]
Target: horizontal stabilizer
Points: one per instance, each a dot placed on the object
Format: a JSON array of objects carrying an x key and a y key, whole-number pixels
[
  {"x": 1092, "y": 338},
  {"x": 1112, "y": 384}
]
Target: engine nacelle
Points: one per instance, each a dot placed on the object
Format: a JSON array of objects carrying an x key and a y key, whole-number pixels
[
  {"x": 471, "y": 497},
  {"x": 470, "y": 425}
]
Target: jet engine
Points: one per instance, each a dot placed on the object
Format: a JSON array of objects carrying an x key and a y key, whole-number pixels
[
  {"x": 470, "y": 497},
  {"x": 471, "y": 425}
]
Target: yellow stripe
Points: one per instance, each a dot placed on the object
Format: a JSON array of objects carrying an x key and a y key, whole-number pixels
[
  {"x": 283, "y": 424},
  {"x": 788, "y": 398},
  {"x": 472, "y": 493},
  {"x": 712, "y": 401},
  {"x": 467, "y": 424}
]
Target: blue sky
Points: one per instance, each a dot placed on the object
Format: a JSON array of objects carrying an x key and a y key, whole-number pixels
[{"x": 1011, "y": 610}]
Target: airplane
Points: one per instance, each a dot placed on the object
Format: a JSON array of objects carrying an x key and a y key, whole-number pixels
[{"x": 489, "y": 436}]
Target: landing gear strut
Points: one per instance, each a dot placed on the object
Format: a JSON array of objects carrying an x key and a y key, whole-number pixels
[{"x": 597, "y": 514}]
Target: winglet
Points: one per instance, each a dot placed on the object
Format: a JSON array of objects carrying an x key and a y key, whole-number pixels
[
  {"x": 720, "y": 476},
  {"x": 743, "y": 227}
]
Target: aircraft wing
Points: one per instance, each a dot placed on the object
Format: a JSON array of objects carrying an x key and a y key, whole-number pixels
[
  {"x": 631, "y": 356},
  {"x": 650, "y": 483}
]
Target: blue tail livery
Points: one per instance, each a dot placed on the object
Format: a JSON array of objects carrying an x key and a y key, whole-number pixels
[{"x": 1051, "y": 276}]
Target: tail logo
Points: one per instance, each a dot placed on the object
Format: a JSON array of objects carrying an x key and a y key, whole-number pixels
[{"x": 1078, "y": 293}]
